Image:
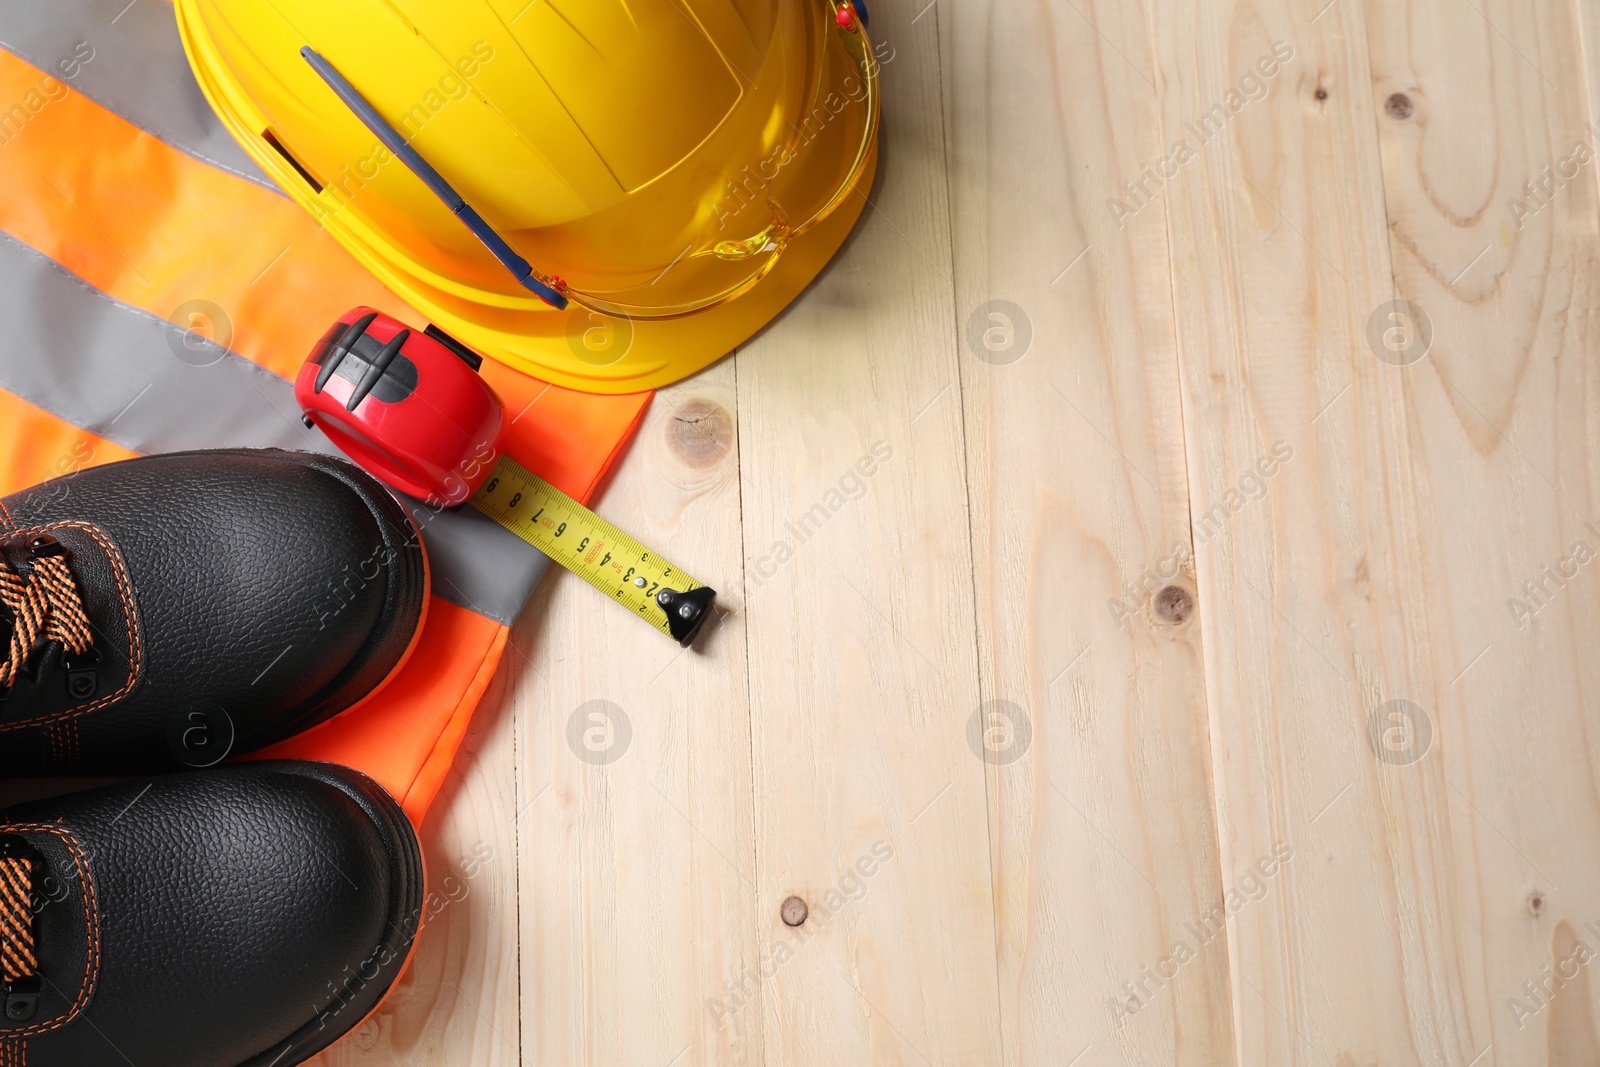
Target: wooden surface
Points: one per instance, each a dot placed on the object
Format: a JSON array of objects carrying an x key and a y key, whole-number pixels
[{"x": 1168, "y": 672}]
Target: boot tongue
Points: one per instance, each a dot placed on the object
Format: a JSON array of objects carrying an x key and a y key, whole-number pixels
[{"x": 15, "y": 555}]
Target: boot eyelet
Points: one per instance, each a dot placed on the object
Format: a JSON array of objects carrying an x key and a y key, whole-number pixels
[
  {"x": 44, "y": 546},
  {"x": 83, "y": 679},
  {"x": 22, "y": 998},
  {"x": 16, "y": 847}
]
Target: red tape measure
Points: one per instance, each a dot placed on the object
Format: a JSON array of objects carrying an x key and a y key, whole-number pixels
[{"x": 411, "y": 408}]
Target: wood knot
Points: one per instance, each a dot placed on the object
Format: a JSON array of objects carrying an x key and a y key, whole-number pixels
[
  {"x": 700, "y": 433},
  {"x": 366, "y": 1036},
  {"x": 1174, "y": 604},
  {"x": 1398, "y": 106},
  {"x": 793, "y": 911}
]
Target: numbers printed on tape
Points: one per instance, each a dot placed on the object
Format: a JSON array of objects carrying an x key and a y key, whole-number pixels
[{"x": 589, "y": 546}]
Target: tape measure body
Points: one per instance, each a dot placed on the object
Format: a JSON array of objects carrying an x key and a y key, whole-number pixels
[
  {"x": 570, "y": 534},
  {"x": 410, "y": 407}
]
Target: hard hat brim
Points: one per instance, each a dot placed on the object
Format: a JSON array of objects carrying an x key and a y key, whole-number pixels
[{"x": 577, "y": 348}]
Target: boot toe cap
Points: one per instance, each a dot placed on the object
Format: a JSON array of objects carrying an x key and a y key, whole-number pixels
[{"x": 243, "y": 915}]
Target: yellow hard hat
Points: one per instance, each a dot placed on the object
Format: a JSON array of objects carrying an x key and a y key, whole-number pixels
[{"x": 609, "y": 194}]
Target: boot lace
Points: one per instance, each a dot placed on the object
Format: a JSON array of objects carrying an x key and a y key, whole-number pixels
[
  {"x": 19, "y": 954},
  {"x": 44, "y": 604}
]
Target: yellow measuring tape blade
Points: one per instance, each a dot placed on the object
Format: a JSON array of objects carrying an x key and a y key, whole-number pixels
[{"x": 662, "y": 594}]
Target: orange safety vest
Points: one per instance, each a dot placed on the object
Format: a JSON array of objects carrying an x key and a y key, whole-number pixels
[{"x": 158, "y": 293}]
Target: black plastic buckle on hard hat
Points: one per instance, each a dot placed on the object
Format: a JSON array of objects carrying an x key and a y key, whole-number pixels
[{"x": 22, "y": 994}]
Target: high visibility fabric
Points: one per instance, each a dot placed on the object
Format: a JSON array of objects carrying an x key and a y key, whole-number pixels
[
  {"x": 160, "y": 230},
  {"x": 145, "y": 228},
  {"x": 122, "y": 372},
  {"x": 35, "y": 447},
  {"x": 407, "y": 735},
  {"x": 122, "y": 56}
]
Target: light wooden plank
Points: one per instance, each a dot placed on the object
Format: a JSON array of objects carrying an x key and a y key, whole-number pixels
[
  {"x": 457, "y": 1002},
  {"x": 1377, "y": 566},
  {"x": 859, "y": 610},
  {"x": 1106, "y": 863},
  {"x": 636, "y": 853},
  {"x": 1278, "y": 233},
  {"x": 1502, "y": 436}
]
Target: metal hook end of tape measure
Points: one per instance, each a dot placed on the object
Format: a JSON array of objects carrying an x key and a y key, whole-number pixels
[
  {"x": 640, "y": 579},
  {"x": 687, "y": 612}
]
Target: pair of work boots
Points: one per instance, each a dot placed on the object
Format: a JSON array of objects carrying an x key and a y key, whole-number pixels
[{"x": 157, "y": 616}]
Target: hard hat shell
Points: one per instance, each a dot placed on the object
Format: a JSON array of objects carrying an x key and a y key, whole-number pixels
[{"x": 679, "y": 169}]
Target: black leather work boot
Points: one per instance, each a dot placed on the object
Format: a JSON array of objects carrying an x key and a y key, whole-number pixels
[
  {"x": 177, "y": 609},
  {"x": 243, "y": 916}
]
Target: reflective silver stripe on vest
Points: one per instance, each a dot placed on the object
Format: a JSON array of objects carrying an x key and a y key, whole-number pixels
[
  {"x": 127, "y": 58},
  {"x": 124, "y": 374}
]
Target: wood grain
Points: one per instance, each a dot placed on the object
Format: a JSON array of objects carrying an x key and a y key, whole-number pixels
[
  {"x": 638, "y": 888},
  {"x": 1205, "y": 402},
  {"x": 1279, "y": 243},
  {"x": 1141, "y": 646},
  {"x": 1378, "y": 566},
  {"x": 869, "y": 803},
  {"x": 1104, "y": 845},
  {"x": 1500, "y": 419}
]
